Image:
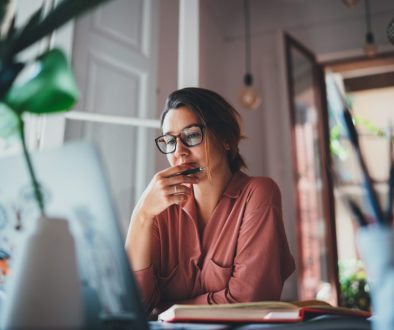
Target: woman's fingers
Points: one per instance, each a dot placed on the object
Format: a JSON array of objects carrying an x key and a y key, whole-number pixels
[
  {"x": 177, "y": 198},
  {"x": 164, "y": 181},
  {"x": 166, "y": 189},
  {"x": 181, "y": 179},
  {"x": 178, "y": 190},
  {"x": 168, "y": 172}
]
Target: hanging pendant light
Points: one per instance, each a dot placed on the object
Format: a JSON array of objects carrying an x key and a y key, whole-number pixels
[
  {"x": 248, "y": 98},
  {"x": 370, "y": 48}
]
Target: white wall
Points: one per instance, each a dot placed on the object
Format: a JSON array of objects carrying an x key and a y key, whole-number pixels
[
  {"x": 167, "y": 62},
  {"x": 328, "y": 28},
  {"x": 212, "y": 52}
]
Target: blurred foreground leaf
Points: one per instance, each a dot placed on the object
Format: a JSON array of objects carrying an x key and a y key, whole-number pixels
[{"x": 44, "y": 86}]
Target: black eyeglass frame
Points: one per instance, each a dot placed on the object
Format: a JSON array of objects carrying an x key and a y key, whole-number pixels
[{"x": 202, "y": 127}]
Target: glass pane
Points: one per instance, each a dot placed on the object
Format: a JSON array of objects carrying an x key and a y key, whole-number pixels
[
  {"x": 372, "y": 111},
  {"x": 309, "y": 184},
  {"x": 347, "y": 165},
  {"x": 119, "y": 146}
]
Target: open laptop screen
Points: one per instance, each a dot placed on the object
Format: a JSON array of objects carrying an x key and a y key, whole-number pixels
[{"x": 74, "y": 187}]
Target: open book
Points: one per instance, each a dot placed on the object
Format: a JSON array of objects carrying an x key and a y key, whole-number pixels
[{"x": 265, "y": 311}]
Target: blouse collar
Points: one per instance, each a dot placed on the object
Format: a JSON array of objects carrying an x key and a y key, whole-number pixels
[
  {"x": 234, "y": 188},
  {"x": 236, "y": 184}
]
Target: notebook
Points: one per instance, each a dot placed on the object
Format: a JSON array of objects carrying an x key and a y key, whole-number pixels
[
  {"x": 75, "y": 188},
  {"x": 258, "y": 312}
]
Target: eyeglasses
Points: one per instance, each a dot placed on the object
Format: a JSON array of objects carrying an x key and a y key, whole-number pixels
[{"x": 190, "y": 136}]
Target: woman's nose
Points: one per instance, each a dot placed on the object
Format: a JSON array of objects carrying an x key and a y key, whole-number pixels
[{"x": 180, "y": 149}]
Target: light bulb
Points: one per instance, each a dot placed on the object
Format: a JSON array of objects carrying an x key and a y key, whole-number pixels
[
  {"x": 370, "y": 48},
  {"x": 249, "y": 98}
]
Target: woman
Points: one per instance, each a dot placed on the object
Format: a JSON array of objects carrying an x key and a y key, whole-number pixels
[{"x": 212, "y": 237}]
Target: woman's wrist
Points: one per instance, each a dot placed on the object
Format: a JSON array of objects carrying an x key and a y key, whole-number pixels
[{"x": 143, "y": 217}]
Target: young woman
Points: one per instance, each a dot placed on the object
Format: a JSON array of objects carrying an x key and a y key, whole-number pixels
[{"x": 213, "y": 237}]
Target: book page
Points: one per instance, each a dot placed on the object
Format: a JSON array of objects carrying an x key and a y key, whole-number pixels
[
  {"x": 290, "y": 315},
  {"x": 311, "y": 303},
  {"x": 250, "y": 305}
]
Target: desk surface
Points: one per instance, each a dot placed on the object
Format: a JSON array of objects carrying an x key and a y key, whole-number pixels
[{"x": 324, "y": 322}]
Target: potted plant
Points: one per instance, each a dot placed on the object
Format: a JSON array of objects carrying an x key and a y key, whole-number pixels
[
  {"x": 39, "y": 86},
  {"x": 48, "y": 89}
]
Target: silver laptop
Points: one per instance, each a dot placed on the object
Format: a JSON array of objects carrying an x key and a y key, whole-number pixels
[{"x": 74, "y": 187}]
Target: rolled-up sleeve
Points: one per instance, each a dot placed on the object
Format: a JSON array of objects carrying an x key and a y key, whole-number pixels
[{"x": 147, "y": 278}]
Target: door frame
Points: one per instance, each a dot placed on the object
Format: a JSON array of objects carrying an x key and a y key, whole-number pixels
[{"x": 325, "y": 160}]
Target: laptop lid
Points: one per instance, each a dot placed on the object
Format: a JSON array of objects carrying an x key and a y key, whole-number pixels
[{"x": 74, "y": 186}]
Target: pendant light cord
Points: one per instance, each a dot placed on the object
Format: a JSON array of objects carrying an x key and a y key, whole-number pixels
[
  {"x": 247, "y": 36},
  {"x": 368, "y": 16},
  {"x": 249, "y": 98}
]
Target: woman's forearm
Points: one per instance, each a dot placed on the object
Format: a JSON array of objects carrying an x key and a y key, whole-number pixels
[{"x": 139, "y": 240}]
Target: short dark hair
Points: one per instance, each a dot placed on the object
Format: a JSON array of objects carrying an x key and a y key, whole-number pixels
[{"x": 219, "y": 117}]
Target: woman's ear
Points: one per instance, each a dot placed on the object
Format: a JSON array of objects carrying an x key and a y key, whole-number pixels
[{"x": 226, "y": 146}]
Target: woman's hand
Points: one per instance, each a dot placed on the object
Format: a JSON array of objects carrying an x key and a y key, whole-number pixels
[{"x": 166, "y": 189}]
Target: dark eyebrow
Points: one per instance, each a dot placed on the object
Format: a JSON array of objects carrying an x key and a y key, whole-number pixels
[{"x": 188, "y": 126}]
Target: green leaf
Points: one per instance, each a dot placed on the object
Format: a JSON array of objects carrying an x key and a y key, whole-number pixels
[
  {"x": 370, "y": 127},
  {"x": 44, "y": 86}
]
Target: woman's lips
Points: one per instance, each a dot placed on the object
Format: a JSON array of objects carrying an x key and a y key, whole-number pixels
[{"x": 191, "y": 164}]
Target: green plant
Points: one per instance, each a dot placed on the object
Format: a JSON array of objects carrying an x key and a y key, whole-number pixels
[
  {"x": 44, "y": 86},
  {"x": 354, "y": 288}
]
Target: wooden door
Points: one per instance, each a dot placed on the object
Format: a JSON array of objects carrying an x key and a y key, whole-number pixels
[
  {"x": 115, "y": 60},
  {"x": 317, "y": 262}
]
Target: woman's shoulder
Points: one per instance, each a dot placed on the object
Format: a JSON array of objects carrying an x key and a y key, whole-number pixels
[
  {"x": 262, "y": 184},
  {"x": 262, "y": 181},
  {"x": 262, "y": 188}
]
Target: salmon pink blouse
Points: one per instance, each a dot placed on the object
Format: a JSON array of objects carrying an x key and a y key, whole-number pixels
[{"x": 242, "y": 254}]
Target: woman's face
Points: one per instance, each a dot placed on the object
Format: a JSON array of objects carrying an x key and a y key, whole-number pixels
[{"x": 177, "y": 120}]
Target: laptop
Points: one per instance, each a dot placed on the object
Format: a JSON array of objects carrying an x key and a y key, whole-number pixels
[{"x": 74, "y": 186}]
